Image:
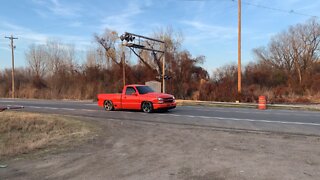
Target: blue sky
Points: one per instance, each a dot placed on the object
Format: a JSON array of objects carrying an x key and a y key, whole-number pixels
[{"x": 209, "y": 27}]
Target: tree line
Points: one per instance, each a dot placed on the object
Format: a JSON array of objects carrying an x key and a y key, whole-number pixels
[{"x": 286, "y": 70}]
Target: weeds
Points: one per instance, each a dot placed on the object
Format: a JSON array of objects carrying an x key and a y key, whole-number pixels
[{"x": 24, "y": 132}]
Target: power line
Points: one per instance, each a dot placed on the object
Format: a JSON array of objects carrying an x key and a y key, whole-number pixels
[
  {"x": 12, "y": 55},
  {"x": 292, "y": 11}
]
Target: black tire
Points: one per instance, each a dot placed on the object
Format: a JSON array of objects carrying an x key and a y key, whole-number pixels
[
  {"x": 147, "y": 107},
  {"x": 108, "y": 105}
]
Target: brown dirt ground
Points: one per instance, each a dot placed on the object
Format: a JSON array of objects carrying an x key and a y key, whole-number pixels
[{"x": 136, "y": 151}]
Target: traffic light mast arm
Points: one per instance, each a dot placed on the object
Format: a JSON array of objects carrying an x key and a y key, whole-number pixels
[
  {"x": 144, "y": 37},
  {"x": 140, "y": 58},
  {"x": 130, "y": 37},
  {"x": 131, "y": 45}
]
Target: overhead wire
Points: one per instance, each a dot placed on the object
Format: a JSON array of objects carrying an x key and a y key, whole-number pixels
[{"x": 291, "y": 11}]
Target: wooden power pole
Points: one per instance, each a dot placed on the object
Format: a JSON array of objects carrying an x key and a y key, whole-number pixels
[
  {"x": 12, "y": 56},
  {"x": 239, "y": 46}
]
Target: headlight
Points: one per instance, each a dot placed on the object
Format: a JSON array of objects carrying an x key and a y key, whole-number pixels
[
  {"x": 174, "y": 99},
  {"x": 160, "y": 100}
]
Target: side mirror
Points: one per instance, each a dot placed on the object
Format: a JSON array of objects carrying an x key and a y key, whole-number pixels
[{"x": 134, "y": 94}]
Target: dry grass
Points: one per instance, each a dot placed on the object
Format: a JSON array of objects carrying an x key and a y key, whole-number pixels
[{"x": 22, "y": 132}]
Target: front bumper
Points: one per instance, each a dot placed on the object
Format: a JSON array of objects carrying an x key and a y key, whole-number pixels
[{"x": 165, "y": 106}]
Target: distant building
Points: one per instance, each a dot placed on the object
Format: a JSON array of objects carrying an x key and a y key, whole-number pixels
[{"x": 155, "y": 85}]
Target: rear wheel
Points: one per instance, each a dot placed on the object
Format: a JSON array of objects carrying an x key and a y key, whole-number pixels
[
  {"x": 147, "y": 107},
  {"x": 108, "y": 106}
]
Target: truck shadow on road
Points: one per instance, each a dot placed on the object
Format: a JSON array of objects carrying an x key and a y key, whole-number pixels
[{"x": 159, "y": 111}]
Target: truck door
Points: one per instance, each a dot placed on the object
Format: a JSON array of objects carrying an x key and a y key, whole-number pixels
[{"x": 131, "y": 100}]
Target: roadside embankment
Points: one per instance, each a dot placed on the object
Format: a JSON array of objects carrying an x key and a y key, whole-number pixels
[{"x": 22, "y": 132}]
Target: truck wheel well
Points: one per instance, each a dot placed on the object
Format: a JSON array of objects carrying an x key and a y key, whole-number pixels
[
  {"x": 146, "y": 101},
  {"x": 106, "y": 101}
]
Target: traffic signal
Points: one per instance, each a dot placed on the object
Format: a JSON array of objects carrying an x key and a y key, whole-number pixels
[
  {"x": 128, "y": 37},
  {"x": 166, "y": 77}
]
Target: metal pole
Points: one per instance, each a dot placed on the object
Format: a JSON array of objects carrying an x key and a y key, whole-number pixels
[
  {"x": 163, "y": 69},
  {"x": 123, "y": 66},
  {"x": 239, "y": 46},
  {"x": 157, "y": 40}
]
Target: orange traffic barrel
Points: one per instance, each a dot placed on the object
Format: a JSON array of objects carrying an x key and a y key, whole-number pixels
[{"x": 262, "y": 103}]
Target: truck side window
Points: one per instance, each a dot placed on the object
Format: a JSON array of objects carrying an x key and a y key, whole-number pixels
[{"x": 130, "y": 90}]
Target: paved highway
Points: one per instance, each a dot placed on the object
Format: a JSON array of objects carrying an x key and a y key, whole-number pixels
[{"x": 281, "y": 121}]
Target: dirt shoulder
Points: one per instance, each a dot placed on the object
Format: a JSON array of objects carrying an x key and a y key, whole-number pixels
[{"x": 137, "y": 150}]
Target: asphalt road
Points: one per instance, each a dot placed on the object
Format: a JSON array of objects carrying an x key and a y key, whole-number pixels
[{"x": 280, "y": 121}]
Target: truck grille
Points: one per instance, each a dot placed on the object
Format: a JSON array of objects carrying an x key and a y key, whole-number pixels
[{"x": 167, "y": 100}]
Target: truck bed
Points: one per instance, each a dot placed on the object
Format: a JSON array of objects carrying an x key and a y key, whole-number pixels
[{"x": 115, "y": 98}]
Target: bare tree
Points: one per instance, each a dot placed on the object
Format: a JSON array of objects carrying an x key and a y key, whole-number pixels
[
  {"x": 294, "y": 51},
  {"x": 108, "y": 42},
  {"x": 37, "y": 60}
]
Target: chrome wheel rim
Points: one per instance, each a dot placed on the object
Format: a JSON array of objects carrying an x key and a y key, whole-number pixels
[
  {"x": 108, "y": 106},
  {"x": 146, "y": 107}
]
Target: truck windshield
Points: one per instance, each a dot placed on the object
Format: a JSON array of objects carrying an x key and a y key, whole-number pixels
[{"x": 144, "y": 89}]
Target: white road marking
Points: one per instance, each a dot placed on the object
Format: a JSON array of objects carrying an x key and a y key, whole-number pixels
[
  {"x": 68, "y": 109},
  {"x": 256, "y": 112},
  {"x": 248, "y": 120},
  {"x": 191, "y": 116},
  {"x": 178, "y": 115},
  {"x": 7, "y": 101},
  {"x": 90, "y": 110},
  {"x": 38, "y": 107}
]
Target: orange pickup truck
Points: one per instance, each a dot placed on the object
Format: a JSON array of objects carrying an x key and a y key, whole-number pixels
[{"x": 137, "y": 97}]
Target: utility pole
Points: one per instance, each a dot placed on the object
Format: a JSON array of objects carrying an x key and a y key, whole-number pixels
[
  {"x": 12, "y": 56},
  {"x": 239, "y": 46}
]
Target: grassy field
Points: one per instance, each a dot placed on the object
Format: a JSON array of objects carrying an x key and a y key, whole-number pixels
[{"x": 22, "y": 132}]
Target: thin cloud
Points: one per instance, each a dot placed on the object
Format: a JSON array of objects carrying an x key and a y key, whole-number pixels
[
  {"x": 123, "y": 20},
  {"x": 202, "y": 31},
  {"x": 26, "y": 34},
  {"x": 8, "y": 28},
  {"x": 5, "y": 45},
  {"x": 58, "y": 8}
]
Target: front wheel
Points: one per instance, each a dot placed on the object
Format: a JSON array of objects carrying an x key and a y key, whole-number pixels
[
  {"x": 147, "y": 107},
  {"x": 108, "y": 106}
]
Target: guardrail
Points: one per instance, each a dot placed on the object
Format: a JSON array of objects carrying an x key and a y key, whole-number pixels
[{"x": 315, "y": 107}]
